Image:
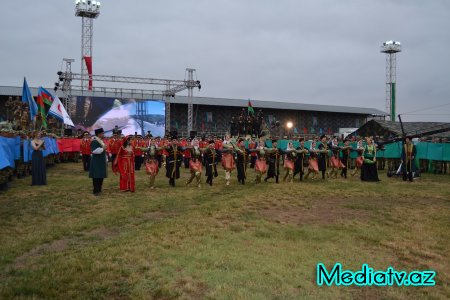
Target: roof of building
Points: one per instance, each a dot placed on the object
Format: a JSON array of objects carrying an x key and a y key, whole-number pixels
[
  {"x": 17, "y": 91},
  {"x": 391, "y": 129}
]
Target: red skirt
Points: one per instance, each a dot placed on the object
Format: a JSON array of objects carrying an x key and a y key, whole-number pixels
[
  {"x": 359, "y": 161},
  {"x": 289, "y": 164},
  {"x": 261, "y": 166},
  {"x": 336, "y": 163},
  {"x": 228, "y": 161},
  {"x": 195, "y": 166},
  {"x": 313, "y": 166},
  {"x": 152, "y": 167}
]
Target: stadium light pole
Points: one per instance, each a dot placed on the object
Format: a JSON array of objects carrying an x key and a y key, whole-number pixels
[
  {"x": 88, "y": 11},
  {"x": 391, "y": 48}
]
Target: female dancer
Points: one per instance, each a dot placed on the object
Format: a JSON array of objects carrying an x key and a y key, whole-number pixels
[
  {"x": 228, "y": 162},
  {"x": 151, "y": 161},
  {"x": 313, "y": 166},
  {"x": 289, "y": 160},
  {"x": 336, "y": 163},
  {"x": 360, "y": 159},
  {"x": 124, "y": 164},
  {"x": 260, "y": 164},
  {"x": 195, "y": 162}
]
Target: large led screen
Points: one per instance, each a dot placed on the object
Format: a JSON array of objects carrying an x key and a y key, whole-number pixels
[{"x": 90, "y": 113}]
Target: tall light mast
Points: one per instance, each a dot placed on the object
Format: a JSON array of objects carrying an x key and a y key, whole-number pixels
[
  {"x": 391, "y": 48},
  {"x": 88, "y": 11}
]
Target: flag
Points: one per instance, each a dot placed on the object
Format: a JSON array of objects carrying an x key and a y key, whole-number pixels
[
  {"x": 250, "y": 108},
  {"x": 88, "y": 61},
  {"x": 44, "y": 99},
  {"x": 59, "y": 112},
  {"x": 27, "y": 98}
]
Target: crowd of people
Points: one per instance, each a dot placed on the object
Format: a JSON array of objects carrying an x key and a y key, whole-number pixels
[{"x": 325, "y": 158}]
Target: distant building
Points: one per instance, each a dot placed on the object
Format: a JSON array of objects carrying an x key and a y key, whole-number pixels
[{"x": 213, "y": 115}]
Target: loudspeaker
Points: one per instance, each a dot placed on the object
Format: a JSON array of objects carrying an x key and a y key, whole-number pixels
[
  {"x": 68, "y": 132},
  {"x": 192, "y": 134}
]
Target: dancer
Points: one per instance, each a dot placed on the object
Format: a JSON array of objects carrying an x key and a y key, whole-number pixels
[
  {"x": 336, "y": 163},
  {"x": 260, "y": 164},
  {"x": 125, "y": 165},
  {"x": 97, "y": 168},
  {"x": 195, "y": 162},
  {"x": 210, "y": 157},
  {"x": 274, "y": 162},
  {"x": 151, "y": 161},
  {"x": 290, "y": 156},
  {"x": 313, "y": 166},
  {"x": 359, "y": 159},
  {"x": 242, "y": 155},
  {"x": 346, "y": 150},
  {"x": 323, "y": 156},
  {"x": 173, "y": 159},
  {"x": 300, "y": 159},
  {"x": 228, "y": 162}
]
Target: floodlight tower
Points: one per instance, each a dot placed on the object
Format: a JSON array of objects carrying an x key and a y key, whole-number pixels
[
  {"x": 391, "y": 48},
  {"x": 88, "y": 11}
]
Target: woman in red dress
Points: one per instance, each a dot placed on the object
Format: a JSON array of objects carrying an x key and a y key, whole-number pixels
[
  {"x": 124, "y": 164},
  {"x": 289, "y": 162},
  {"x": 313, "y": 166},
  {"x": 260, "y": 163}
]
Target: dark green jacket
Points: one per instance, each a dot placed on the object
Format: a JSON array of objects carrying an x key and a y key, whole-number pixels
[{"x": 98, "y": 162}]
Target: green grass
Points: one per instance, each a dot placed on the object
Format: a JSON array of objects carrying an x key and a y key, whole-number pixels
[{"x": 238, "y": 242}]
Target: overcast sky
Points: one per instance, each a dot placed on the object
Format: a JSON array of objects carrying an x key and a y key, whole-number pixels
[{"x": 321, "y": 51}]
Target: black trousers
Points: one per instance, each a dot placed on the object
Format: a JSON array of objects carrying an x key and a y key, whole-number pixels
[
  {"x": 138, "y": 162},
  {"x": 408, "y": 174},
  {"x": 86, "y": 161},
  {"x": 253, "y": 161},
  {"x": 97, "y": 182},
  {"x": 113, "y": 157},
  {"x": 186, "y": 162}
]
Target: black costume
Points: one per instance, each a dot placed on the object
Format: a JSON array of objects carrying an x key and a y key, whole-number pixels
[
  {"x": 408, "y": 165},
  {"x": 242, "y": 156},
  {"x": 299, "y": 162},
  {"x": 173, "y": 163},
  {"x": 210, "y": 158},
  {"x": 274, "y": 165},
  {"x": 323, "y": 158}
]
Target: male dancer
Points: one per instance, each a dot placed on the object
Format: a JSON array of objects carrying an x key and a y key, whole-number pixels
[
  {"x": 173, "y": 159},
  {"x": 274, "y": 162},
  {"x": 323, "y": 156},
  {"x": 195, "y": 162},
  {"x": 210, "y": 157},
  {"x": 299, "y": 162},
  {"x": 242, "y": 161}
]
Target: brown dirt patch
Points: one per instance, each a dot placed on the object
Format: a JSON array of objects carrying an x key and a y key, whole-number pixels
[
  {"x": 321, "y": 211},
  {"x": 103, "y": 233},
  {"x": 192, "y": 288},
  {"x": 55, "y": 246}
]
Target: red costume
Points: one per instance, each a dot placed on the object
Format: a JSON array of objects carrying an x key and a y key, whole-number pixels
[
  {"x": 85, "y": 146},
  {"x": 124, "y": 164}
]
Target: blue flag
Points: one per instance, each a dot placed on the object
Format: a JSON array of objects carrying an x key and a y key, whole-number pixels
[{"x": 27, "y": 98}]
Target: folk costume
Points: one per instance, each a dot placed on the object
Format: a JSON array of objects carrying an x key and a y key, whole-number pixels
[
  {"x": 97, "y": 168},
  {"x": 195, "y": 163},
  {"x": 313, "y": 166},
  {"x": 274, "y": 157},
  {"x": 211, "y": 159},
  {"x": 260, "y": 164},
  {"x": 323, "y": 157},
  {"x": 335, "y": 160},
  {"x": 173, "y": 159},
  {"x": 242, "y": 159},
  {"x": 290, "y": 155},
  {"x": 114, "y": 145},
  {"x": 369, "y": 168},
  {"x": 85, "y": 149},
  {"x": 346, "y": 150},
  {"x": 151, "y": 162},
  {"x": 360, "y": 158},
  {"x": 300, "y": 160},
  {"x": 125, "y": 165},
  {"x": 228, "y": 162},
  {"x": 408, "y": 164}
]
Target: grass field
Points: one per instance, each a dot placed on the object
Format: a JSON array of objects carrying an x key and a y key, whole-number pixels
[{"x": 237, "y": 242}]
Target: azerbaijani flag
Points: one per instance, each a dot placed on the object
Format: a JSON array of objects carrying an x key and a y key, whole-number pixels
[
  {"x": 44, "y": 100},
  {"x": 250, "y": 108}
]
